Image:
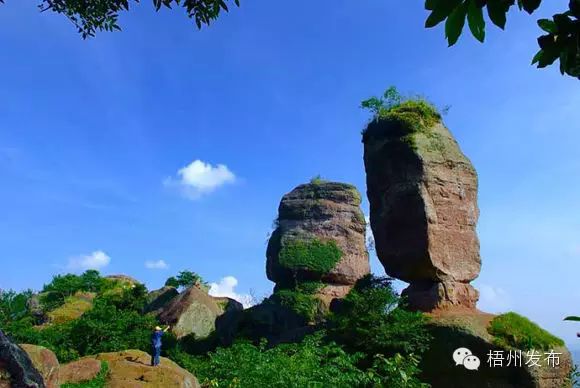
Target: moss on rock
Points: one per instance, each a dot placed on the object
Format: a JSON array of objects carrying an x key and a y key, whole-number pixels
[
  {"x": 511, "y": 330},
  {"x": 314, "y": 255}
]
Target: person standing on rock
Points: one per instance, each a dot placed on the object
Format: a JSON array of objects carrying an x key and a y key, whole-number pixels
[{"x": 156, "y": 344}]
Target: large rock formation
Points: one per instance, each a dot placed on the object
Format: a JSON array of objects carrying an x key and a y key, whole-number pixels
[
  {"x": 158, "y": 299},
  {"x": 191, "y": 312},
  {"x": 320, "y": 236},
  {"x": 131, "y": 369},
  {"x": 16, "y": 367},
  {"x": 423, "y": 210},
  {"x": 45, "y": 361}
]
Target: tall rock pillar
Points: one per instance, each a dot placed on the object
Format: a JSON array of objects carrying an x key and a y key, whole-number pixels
[{"x": 423, "y": 208}]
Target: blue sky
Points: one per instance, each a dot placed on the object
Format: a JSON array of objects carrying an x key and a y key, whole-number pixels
[{"x": 93, "y": 135}]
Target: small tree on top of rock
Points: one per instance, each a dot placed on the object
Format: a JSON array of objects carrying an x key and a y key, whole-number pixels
[{"x": 186, "y": 279}]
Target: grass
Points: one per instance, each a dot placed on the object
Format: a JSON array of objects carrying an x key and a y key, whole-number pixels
[
  {"x": 73, "y": 307},
  {"x": 313, "y": 255},
  {"x": 511, "y": 330},
  {"x": 98, "y": 382}
]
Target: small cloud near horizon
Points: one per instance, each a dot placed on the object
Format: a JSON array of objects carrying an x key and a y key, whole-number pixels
[
  {"x": 493, "y": 299},
  {"x": 226, "y": 287},
  {"x": 200, "y": 178},
  {"x": 96, "y": 260},
  {"x": 157, "y": 264}
]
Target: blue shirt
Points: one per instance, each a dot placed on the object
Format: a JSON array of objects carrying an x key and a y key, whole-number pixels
[{"x": 156, "y": 339}]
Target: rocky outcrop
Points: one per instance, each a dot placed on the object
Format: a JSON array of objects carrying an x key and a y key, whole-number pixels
[
  {"x": 79, "y": 371},
  {"x": 45, "y": 362},
  {"x": 131, "y": 369},
  {"x": 320, "y": 235},
  {"x": 73, "y": 308},
  {"x": 16, "y": 367},
  {"x": 191, "y": 312},
  {"x": 423, "y": 212},
  {"x": 452, "y": 330},
  {"x": 158, "y": 299}
]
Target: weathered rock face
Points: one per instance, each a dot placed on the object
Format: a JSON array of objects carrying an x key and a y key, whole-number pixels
[
  {"x": 45, "y": 362},
  {"x": 16, "y": 367},
  {"x": 322, "y": 212},
  {"x": 423, "y": 210},
  {"x": 131, "y": 369},
  {"x": 79, "y": 371},
  {"x": 191, "y": 312},
  {"x": 158, "y": 299}
]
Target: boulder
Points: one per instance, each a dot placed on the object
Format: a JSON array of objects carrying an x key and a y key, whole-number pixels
[
  {"x": 454, "y": 330},
  {"x": 311, "y": 217},
  {"x": 132, "y": 369},
  {"x": 228, "y": 304},
  {"x": 158, "y": 299},
  {"x": 16, "y": 367},
  {"x": 36, "y": 309},
  {"x": 79, "y": 371},
  {"x": 45, "y": 361},
  {"x": 191, "y": 312},
  {"x": 422, "y": 192}
]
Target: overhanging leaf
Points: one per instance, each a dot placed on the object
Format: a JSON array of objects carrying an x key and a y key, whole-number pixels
[
  {"x": 572, "y": 318},
  {"x": 497, "y": 10},
  {"x": 548, "y": 25},
  {"x": 455, "y": 23},
  {"x": 476, "y": 21}
]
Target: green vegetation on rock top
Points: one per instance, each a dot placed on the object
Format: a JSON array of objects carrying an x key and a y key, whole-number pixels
[
  {"x": 313, "y": 255},
  {"x": 514, "y": 331},
  {"x": 410, "y": 115}
]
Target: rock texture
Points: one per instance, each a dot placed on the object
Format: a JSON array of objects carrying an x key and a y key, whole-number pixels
[
  {"x": 45, "y": 362},
  {"x": 191, "y": 312},
  {"x": 158, "y": 299},
  {"x": 79, "y": 371},
  {"x": 16, "y": 367},
  {"x": 131, "y": 369},
  {"x": 325, "y": 211},
  {"x": 454, "y": 330},
  {"x": 423, "y": 211}
]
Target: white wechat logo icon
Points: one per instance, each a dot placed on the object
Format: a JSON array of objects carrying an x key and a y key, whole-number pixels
[{"x": 463, "y": 356}]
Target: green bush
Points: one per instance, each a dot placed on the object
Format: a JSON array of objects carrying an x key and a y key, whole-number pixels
[
  {"x": 411, "y": 115},
  {"x": 98, "y": 382},
  {"x": 13, "y": 305},
  {"x": 63, "y": 286},
  {"x": 313, "y": 255},
  {"x": 371, "y": 319},
  {"x": 104, "y": 328},
  {"x": 514, "y": 331},
  {"x": 303, "y": 304},
  {"x": 311, "y": 363}
]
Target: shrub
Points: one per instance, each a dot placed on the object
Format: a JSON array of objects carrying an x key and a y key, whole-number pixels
[
  {"x": 13, "y": 305},
  {"x": 371, "y": 319},
  {"x": 514, "y": 331},
  {"x": 410, "y": 115},
  {"x": 63, "y": 286},
  {"x": 310, "y": 363},
  {"x": 303, "y": 304}
]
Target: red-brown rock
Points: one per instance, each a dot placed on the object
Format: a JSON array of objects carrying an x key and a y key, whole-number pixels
[
  {"x": 325, "y": 211},
  {"x": 78, "y": 371},
  {"x": 423, "y": 211}
]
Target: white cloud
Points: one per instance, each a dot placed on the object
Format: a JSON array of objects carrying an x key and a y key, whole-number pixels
[
  {"x": 158, "y": 264},
  {"x": 226, "y": 287},
  {"x": 493, "y": 299},
  {"x": 199, "y": 178},
  {"x": 95, "y": 260}
]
